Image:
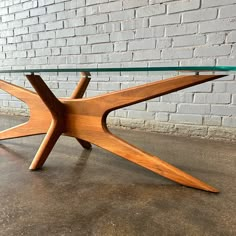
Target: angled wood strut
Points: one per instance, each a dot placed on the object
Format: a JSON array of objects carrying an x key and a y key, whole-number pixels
[{"x": 85, "y": 119}]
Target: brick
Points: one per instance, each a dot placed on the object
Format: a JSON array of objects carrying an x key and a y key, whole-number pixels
[
  {"x": 74, "y": 22},
  {"x": 104, "y": 86},
  {"x": 47, "y": 18},
  {"x": 30, "y": 5},
  {"x": 177, "y": 53},
  {"x": 3, "y": 11},
  {"x": 38, "y": 11},
  {"x": 161, "y": 106},
  {"x": 181, "y": 6},
  {"x": 229, "y": 122},
  {"x": 62, "y": 33},
  {"x": 40, "y": 44},
  {"x": 168, "y": 19},
  {"x": 15, "y": 8},
  {"x": 70, "y": 50},
  {"x": 66, "y": 14},
  {"x": 216, "y": 38},
  {"x": 189, "y": 40},
  {"x": 74, "y": 4},
  {"x": 123, "y": 35},
  {"x": 134, "y": 24},
  {"x": 108, "y": 27},
  {"x": 36, "y": 28},
  {"x": 193, "y": 108},
  {"x": 102, "y": 48},
  {"x": 43, "y": 52},
  {"x": 110, "y": 7},
  {"x": 147, "y": 55},
  {"x": 175, "y": 30},
  {"x": 30, "y": 21},
  {"x": 24, "y": 46},
  {"x": 186, "y": 119},
  {"x": 149, "y": 32},
  {"x": 200, "y": 15},
  {"x": 120, "y": 57},
  {"x": 212, "y": 120},
  {"x": 137, "y": 107},
  {"x": 151, "y": 10},
  {"x": 209, "y": 51},
  {"x": 134, "y": 3},
  {"x": 161, "y": 116},
  {"x": 214, "y": 3},
  {"x": 219, "y": 87},
  {"x": 100, "y": 38},
  {"x": 22, "y": 15},
  {"x": 223, "y": 110},
  {"x": 46, "y": 35},
  {"x": 76, "y": 41},
  {"x": 215, "y": 98},
  {"x": 54, "y": 25},
  {"x": 96, "y": 19},
  {"x": 142, "y": 44},
  {"x": 231, "y": 87},
  {"x": 121, "y": 15},
  {"x": 86, "y": 30},
  {"x": 217, "y": 25},
  {"x": 56, "y": 8},
  {"x": 178, "y": 97},
  {"x": 231, "y": 37},
  {"x": 57, "y": 60},
  {"x": 20, "y": 31},
  {"x": 234, "y": 99},
  {"x": 92, "y": 2},
  {"x": 7, "y": 18},
  {"x": 120, "y": 46},
  {"x": 141, "y": 115},
  {"x": 45, "y": 2}
]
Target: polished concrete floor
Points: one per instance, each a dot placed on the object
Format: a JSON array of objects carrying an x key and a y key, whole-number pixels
[{"x": 81, "y": 192}]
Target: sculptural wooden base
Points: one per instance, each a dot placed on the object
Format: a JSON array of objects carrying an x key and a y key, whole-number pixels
[{"x": 85, "y": 119}]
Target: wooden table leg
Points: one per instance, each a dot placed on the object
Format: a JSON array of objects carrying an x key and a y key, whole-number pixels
[
  {"x": 85, "y": 119},
  {"x": 38, "y": 123}
]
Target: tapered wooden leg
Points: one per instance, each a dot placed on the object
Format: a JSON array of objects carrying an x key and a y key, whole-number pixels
[
  {"x": 47, "y": 145},
  {"x": 37, "y": 124},
  {"x": 153, "y": 163},
  {"x": 79, "y": 93},
  {"x": 56, "y": 108}
]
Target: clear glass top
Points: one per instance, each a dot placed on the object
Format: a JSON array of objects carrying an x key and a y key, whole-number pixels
[{"x": 127, "y": 69}]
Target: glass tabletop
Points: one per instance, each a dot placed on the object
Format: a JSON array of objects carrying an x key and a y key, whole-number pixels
[{"x": 126, "y": 69}]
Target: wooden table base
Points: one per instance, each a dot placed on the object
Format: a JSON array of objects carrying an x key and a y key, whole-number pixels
[{"x": 85, "y": 119}]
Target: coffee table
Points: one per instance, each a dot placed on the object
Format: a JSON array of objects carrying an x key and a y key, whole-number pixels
[{"x": 85, "y": 118}]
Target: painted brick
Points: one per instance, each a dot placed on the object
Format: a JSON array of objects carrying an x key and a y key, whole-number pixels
[
  {"x": 141, "y": 115},
  {"x": 134, "y": 3},
  {"x": 229, "y": 121},
  {"x": 149, "y": 32},
  {"x": 152, "y": 10},
  {"x": 200, "y": 15},
  {"x": 176, "y": 53},
  {"x": 74, "y": 22},
  {"x": 110, "y": 7},
  {"x": 175, "y": 30},
  {"x": 231, "y": 38},
  {"x": 217, "y": 25},
  {"x": 142, "y": 44},
  {"x": 180, "y": 6},
  {"x": 168, "y": 19},
  {"x": 121, "y": 15},
  {"x": 62, "y": 33},
  {"x": 101, "y": 38},
  {"x": 96, "y": 19},
  {"x": 123, "y": 35},
  {"x": 214, "y": 3},
  {"x": 222, "y": 110},
  {"x": 215, "y": 98},
  {"x": 212, "y": 120},
  {"x": 216, "y": 38},
  {"x": 189, "y": 40},
  {"x": 134, "y": 24},
  {"x": 178, "y": 97},
  {"x": 161, "y": 106},
  {"x": 38, "y": 11},
  {"x": 193, "y": 108},
  {"x": 147, "y": 55},
  {"x": 102, "y": 48},
  {"x": 54, "y": 25},
  {"x": 186, "y": 119},
  {"x": 56, "y": 8},
  {"x": 208, "y": 51}
]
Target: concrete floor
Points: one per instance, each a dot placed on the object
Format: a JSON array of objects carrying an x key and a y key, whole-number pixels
[{"x": 97, "y": 193}]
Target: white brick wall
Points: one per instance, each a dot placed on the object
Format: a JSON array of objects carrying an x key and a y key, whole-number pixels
[{"x": 114, "y": 33}]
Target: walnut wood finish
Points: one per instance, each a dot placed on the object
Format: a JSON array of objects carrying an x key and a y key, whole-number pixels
[{"x": 85, "y": 119}]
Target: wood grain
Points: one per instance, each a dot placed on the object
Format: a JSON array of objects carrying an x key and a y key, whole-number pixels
[{"x": 85, "y": 119}]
